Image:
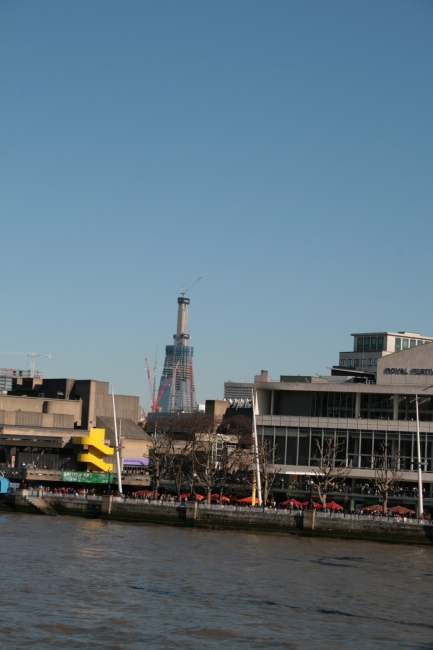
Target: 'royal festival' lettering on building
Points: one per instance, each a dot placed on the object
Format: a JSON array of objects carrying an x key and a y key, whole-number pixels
[{"x": 404, "y": 371}]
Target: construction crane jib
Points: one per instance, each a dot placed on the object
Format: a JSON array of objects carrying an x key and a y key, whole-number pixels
[
  {"x": 32, "y": 356},
  {"x": 184, "y": 291}
]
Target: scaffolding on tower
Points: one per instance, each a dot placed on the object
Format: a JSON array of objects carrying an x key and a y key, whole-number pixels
[{"x": 178, "y": 371}]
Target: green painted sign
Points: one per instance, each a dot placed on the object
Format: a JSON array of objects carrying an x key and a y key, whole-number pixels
[{"x": 87, "y": 477}]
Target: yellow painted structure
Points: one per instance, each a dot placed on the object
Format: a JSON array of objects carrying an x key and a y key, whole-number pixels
[{"x": 97, "y": 449}]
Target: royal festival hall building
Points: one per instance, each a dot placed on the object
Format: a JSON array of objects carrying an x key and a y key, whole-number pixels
[{"x": 368, "y": 399}]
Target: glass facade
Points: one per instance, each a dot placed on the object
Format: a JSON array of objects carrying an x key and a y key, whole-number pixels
[
  {"x": 377, "y": 406},
  {"x": 298, "y": 447},
  {"x": 369, "y": 344},
  {"x": 333, "y": 405},
  {"x": 407, "y": 408},
  {"x": 372, "y": 406}
]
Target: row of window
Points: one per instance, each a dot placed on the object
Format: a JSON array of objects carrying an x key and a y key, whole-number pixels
[
  {"x": 404, "y": 344},
  {"x": 356, "y": 363},
  {"x": 299, "y": 446},
  {"x": 370, "y": 344},
  {"x": 374, "y": 406}
]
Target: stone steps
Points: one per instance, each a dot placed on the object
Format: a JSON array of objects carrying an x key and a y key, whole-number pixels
[{"x": 41, "y": 505}]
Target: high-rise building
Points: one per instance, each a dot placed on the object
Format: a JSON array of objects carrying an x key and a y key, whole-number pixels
[{"x": 178, "y": 374}]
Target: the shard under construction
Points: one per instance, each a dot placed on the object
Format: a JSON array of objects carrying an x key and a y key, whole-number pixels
[{"x": 178, "y": 374}]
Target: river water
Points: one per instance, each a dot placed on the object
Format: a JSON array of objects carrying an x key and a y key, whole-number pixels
[{"x": 76, "y": 583}]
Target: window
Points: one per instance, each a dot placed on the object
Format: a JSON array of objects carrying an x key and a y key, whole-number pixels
[
  {"x": 292, "y": 446},
  {"x": 370, "y": 362},
  {"x": 356, "y": 363},
  {"x": 377, "y": 406},
  {"x": 397, "y": 345},
  {"x": 279, "y": 453},
  {"x": 360, "y": 343},
  {"x": 405, "y": 344},
  {"x": 333, "y": 405},
  {"x": 412, "y": 343},
  {"x": 343, "y": 362},
  {"x": 350, "y": 362},
  {"x": 304, "y": 446},
  {"x": 380, "y": 343},
  {"x": 364, "y": 362},
  {"x": 420, "y": 342},
  {"x": 373, "y": 343},
  {"x": 407, "y": 408},
  {"x": 375, "y": 362},
  {"x": 366, "y": 343}
]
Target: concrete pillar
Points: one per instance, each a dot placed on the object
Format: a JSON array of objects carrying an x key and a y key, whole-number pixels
[
  {"x": 191, "y": 511},
  {"x": 106, "y": 504},
  {"x": 395, "y": 413},
  {"x": 357, "y": 404},
  {"x": 308, "y": 520}
]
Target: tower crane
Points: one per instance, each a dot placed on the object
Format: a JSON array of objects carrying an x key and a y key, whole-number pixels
[
  {"x": 155, "y": 369},
  {"x": 32, "y": 356},
  {"x": 183, "y": 291},
  {"x": 155, "y": 402}
]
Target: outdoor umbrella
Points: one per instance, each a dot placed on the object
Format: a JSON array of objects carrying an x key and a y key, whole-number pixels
[
  {"x": 245, "y": 500},
  {"x": 376, "y": 508},
  {"x": 186, "y": 495},
  {"x": 290, "y": 501},
  {"x": 316, "y": 505},
  {"x": 216, "y": 497},
  {"x": 332, "y": 505},
  {"x": 401, "y": 510}
]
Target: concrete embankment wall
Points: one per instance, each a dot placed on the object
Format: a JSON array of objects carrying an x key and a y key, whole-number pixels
[
  {"x": 307, "y": 524},
  {"x": 255, "y": 520},
  {"x": 396, "y": 533}
]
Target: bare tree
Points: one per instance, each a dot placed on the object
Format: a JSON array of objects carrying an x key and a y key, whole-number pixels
[
  {"x": 228, "y": 462},
  {"x": 268, "y": 470},
  {"x": 160, "y": 458},
  {"x": 235, "y": 452},
  {"x": 180, "y": 462},
  {"x": 329, "y": 471},
  {"x": 386, "y": 471},
  {"x": 205, "y": 462}
]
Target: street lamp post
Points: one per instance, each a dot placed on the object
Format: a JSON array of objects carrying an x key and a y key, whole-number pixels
[
  {"x": 256, "y": 452},
  {"x": 418, "y": 446}
]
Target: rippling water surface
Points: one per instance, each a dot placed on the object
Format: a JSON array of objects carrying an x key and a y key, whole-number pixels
[{"x": 76, "y": 583}]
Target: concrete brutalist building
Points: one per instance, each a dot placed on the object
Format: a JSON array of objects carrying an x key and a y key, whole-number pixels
[
  {"x": 368, "y": 399},
  {"x": 39, "y": 417}
]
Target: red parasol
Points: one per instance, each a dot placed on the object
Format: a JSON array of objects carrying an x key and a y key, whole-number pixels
[
  {"x": 332, "y": 505},
  {"x": 401, "y": 510},
  {"x": 216, "y": 497},
  {"x": 144, "y": 493},
  {"x": 290, "y": 501}
]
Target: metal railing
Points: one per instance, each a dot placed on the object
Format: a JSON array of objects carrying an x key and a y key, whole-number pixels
[{"x": 61, "y": 495}]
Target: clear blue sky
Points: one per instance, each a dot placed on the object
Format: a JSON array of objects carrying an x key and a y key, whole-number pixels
[{"x": 283, "y": 150}]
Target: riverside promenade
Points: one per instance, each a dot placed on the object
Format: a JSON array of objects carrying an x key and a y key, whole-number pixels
[{"x": 307, "y": 523}]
